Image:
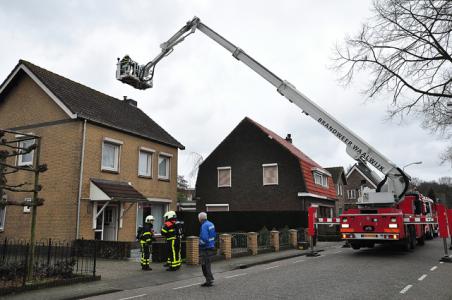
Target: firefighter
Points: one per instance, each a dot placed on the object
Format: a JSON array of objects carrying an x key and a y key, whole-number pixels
[
  {"x": 172, "y": 234},
  {"x": 145, "y": 235}
]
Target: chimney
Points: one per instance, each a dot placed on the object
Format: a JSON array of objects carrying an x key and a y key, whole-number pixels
[
  {"x": 130, "y": 101},
  {"x": 289, "y": 138}
]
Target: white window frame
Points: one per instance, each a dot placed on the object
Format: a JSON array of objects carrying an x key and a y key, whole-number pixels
[
  {"x": 263, "y": 173},
  {"x": 117, "y": 161},
  {"x": 150, "y": 153},
  {"x": 32, "y": 153},
  {"x": 217, "y": 205},
  {"x": 320, "y": 179},
  {"x": 3, "y": 218},
  {"x": 218, "y": 176},
  {"x": 351, "y": 194},
  {"x": 340, "y": 190},
  {"x": 168, "y": 166}
]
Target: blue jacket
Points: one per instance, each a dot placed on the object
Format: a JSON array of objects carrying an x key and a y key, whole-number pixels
[{"x": 207, "y": 235}]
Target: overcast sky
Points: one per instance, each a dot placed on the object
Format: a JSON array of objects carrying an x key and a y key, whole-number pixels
[{"x": 200, "y": 91}]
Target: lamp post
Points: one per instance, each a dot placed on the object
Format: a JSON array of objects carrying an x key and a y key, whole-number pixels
[{"x": 413, "y": 163}]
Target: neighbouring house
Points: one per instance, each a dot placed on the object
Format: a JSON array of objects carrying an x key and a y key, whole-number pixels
[
  {"x": 109, "y": 164},
  {"x": 186, "y": 199},
  {"x": 254, "y": 169},
  {"x": 359, "y": 176},
  {"x": 340, "y": 181}
]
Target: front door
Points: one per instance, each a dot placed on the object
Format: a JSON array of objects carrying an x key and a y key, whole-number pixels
[{"x": 110, "y": 222}]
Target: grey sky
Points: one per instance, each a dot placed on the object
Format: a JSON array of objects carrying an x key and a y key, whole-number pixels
[{"x": 200, "y": 92}]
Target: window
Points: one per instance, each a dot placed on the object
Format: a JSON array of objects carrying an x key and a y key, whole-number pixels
[
  {"x": 224, "y": 176},
  {"x": 2, "y": 217},
  {"x": 340, "y": 190},
  {"x": 351, "y": 194},
  {"x": 270, "y": 174},
  {"x": 110, "y": 156},
  {"x": 320, "y": 179},
  {"x": 27, "y": 158},
  {"x": 217, "y": 207},
  {"x": 164, "y": 167},
  {"x": 145, "y": 163}
]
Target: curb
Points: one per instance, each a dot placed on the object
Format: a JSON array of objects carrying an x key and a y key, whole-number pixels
[{"x": 270, "y": 260}]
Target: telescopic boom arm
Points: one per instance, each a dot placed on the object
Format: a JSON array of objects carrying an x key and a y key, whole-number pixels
[{"x": 390, "y": 190}]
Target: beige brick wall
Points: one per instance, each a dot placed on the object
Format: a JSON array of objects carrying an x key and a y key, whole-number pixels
[{"x": 28, "y": 104}]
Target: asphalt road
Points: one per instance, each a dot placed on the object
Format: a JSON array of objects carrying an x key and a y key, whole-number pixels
[{"x": 339, "y": 273}]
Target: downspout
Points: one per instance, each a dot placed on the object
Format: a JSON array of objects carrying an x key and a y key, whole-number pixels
[{"x": 80, "y": 184}]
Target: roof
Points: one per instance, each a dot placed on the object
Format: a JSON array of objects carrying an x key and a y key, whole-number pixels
[
  {"x": 118, "y": 190},
  {"x": 366, "y": 173},
  {"x": 337, "y": 172},
  {"x": 94, "y": 106},
  {"x": 307, "y": 165}
]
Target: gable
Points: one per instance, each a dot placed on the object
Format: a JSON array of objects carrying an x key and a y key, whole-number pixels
[
  {"x": 25, "y": 102},
  {"x": 355, "y": 172}
]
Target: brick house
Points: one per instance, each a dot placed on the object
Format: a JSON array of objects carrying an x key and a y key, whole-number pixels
[
  {"x": 254, "y": 169},
  {"x": 358, "y": 176},
  {"x": 109, "y": 164},
  {"x": 340, "y": 181}
]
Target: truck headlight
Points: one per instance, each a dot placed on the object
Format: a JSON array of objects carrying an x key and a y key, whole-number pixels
[
  {"x": 345, "y": 225},
  {"x": 392, "y": 225}
]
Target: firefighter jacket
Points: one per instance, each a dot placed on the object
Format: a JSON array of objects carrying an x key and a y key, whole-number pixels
[
  {"x": 207, "y": 235},
  {"x": 169, "y": 230},
  {"x": 146, "y": 234}
]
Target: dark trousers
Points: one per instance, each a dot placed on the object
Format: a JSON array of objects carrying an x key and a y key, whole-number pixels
[
  {"x": 145, "y": 254},
  {"x": 206, "y": 258},
  {"x": 174, "y": 258}
]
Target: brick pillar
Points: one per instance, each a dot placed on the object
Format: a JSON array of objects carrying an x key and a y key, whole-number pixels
[
  {"x": 293, "y": 239},
  {"x": 252, "y": 242},
  {"x": 192, "y": 250},
  {"x": 225, "y": 245},
  {"x": 274, "y": 240}
]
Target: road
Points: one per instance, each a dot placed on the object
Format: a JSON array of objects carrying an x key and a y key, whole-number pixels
[{"x": 339, "y": 273}]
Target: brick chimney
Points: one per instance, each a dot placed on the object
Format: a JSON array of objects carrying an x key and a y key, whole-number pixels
[
  {"x": 289, "y": 138},
  {"x": 130, "y": 101}
]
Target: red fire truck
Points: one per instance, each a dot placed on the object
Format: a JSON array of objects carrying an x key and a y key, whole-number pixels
[{"x": 409, "y": 221}]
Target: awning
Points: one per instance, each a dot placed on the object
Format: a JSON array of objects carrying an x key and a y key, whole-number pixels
[{"x": 116, "y": 191}]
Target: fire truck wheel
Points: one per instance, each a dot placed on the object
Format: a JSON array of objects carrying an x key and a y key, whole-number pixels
[{"x": 355, "y": 246}]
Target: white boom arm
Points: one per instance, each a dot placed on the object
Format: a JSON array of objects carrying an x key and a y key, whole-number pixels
[{"x": 390, "y": 190}]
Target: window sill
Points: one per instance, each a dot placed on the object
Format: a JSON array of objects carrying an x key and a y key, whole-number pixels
[
  {"x": 144, "y": 177},
  {"x": 110, "y": 171},
  {"x": 164, "y": 179}
]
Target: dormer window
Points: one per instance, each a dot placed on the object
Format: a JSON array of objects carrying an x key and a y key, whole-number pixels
[{"x": 320, "y": 177}]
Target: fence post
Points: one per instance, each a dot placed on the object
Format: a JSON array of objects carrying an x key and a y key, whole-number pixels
[
  {"x": 192, "y": 250},
  {"x": 293, "y": 238},
  {"x": 49, "y": 249},
  {"x": 274, "y": 240},
  {"x": 95, "y": 257},
  {"x": 27, "y": 274},
  {"x": 5, "y": 246},
  {"x": 252, "y": 242},
  {"x": 225, "y": 245}
]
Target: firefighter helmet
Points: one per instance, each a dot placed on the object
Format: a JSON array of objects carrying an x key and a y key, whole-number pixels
[
  {"x": 149, "y": 219},
  {"x": 169, "y": 215}
]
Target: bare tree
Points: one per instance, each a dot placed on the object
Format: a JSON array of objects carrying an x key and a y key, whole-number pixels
[{"x": 406, "y": 48}]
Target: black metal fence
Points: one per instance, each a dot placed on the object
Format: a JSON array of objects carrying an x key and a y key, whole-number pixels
[
  {"x": 54, "y": 263},
  {"x": 239, "y": 243},
  {"x": 284, "y": 238},
  {"x": 263, "y": 240}
]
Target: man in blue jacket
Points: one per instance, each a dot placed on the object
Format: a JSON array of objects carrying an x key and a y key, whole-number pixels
[{"x": 206, "y": 247}]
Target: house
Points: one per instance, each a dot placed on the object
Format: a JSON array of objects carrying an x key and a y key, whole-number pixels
[
  {"x": 254, "y": 169},
  {"x": 359, "y": 176},
  {"x": 340, "y": 181},
  {"x": 109, "y": 164}
]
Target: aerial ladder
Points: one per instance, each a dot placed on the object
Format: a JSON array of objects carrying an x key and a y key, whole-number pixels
[{"x": 390, "y": 190}]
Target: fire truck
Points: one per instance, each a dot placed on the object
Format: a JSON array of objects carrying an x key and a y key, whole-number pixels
[{"x": 385, "y": 214}]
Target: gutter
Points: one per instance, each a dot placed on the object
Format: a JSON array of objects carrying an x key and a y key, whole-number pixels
[{"x": 80, "y": 180}]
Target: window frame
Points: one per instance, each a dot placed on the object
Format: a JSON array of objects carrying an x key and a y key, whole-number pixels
[
  {"x": 21, "y": 163},
  {"x": 150, "y": 153},
  {"x": 218, "y": 176},
  {"x": 117, "y": 160},
  {"x": 2, "y": 218},
  {"x": 264, "y": 166},
  {"x": 168, "y": 166},
  {"x": 220, "y": 205},
  {"x": 351, "y": 194}
]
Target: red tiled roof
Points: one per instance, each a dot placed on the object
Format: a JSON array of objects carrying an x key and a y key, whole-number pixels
[{"x": 306, "y": 165}]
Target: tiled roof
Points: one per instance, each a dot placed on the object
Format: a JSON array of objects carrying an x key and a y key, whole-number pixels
[
  {"x": 100, "y": 108},
  {"x": 118, "y": 190},
  {"x": 306, "y": 164}
]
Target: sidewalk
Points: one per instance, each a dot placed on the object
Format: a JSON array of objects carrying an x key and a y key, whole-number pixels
[{"x": 125, "y": 275}]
